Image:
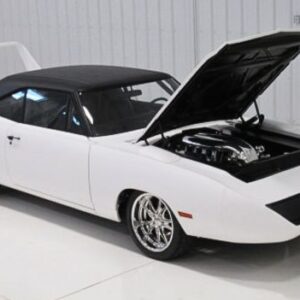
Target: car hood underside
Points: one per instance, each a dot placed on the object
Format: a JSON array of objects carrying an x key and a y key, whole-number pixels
[{"x": 225, "y": 84}]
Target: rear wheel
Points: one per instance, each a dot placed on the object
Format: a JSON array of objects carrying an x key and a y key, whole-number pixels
[{"x": 154, "y": 228}]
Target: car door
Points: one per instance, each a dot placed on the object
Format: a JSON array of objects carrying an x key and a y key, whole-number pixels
[
  {"x": 48, "y": 152},
  {"x": 11, "y": 111}
]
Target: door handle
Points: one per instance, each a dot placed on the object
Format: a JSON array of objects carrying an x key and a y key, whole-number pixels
[{"x": 11, "y": 138}]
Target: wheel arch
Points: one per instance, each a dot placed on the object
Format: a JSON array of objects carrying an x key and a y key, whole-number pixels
[
  {"x": 124, "y": 197},
  {"x": 122, "y": 201}
]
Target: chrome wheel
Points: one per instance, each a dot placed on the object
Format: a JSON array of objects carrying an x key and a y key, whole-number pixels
[{"x": 152, "y": 222}]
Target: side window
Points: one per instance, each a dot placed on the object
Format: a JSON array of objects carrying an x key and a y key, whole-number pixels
[
  {"x": 47, "y": 109},
  {"x": 12, "y": 107}
]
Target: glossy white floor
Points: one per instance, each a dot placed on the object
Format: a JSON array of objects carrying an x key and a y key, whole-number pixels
[{"x": 51, "y": 252}]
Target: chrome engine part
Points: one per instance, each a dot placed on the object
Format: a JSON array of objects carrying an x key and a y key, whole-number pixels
[{"x": 220, "y": 148}]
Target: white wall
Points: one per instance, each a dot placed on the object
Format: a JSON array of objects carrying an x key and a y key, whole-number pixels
[
  {"x": 168, "y": 35},
  {"x": 145, "y": 33}
]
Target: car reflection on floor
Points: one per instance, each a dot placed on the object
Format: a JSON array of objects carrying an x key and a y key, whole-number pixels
[{"x": 52, "y": 252}]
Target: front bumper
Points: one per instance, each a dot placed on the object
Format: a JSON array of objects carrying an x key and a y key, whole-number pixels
[
  {"x": 242, "y": 212},
  {"x": 246, "y": 221}
]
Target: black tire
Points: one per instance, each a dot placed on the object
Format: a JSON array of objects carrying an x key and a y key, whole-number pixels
[{"x": 178, "y": 243}]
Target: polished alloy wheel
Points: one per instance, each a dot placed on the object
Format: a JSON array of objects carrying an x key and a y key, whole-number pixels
[{"x": 152, "y": 222}]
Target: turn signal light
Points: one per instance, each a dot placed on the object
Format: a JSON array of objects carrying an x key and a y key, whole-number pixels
[{"x": 185, "y": 215}]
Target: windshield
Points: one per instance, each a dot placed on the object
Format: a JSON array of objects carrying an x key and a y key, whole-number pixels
[{"x": 126, "y": 108}]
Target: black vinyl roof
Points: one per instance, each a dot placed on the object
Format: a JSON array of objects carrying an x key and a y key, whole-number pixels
[{"x": 79, "y": 78}]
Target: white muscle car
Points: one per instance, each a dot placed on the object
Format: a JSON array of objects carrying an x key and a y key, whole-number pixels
[{"x": 170, "y": 160}]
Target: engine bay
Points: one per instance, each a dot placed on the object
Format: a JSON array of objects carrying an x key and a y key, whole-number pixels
[
  {"x": 219, "y": 146},
  {"x": 243, "y": 152}
]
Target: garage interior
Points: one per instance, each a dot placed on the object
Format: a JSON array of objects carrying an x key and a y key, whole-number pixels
[{"x": 48, "y": 251}]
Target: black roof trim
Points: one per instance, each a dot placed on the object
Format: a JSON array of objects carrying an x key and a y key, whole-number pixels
[{"x": 79, "y": 78}]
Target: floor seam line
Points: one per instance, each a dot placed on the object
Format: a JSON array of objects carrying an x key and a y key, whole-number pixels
[{"x": 104, "y": 280}]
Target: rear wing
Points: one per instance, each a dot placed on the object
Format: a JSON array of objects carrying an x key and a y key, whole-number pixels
[{"x": 28, "y": 60}]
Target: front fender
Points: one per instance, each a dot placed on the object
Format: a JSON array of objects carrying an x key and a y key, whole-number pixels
[{"x": 114, "y": 170}]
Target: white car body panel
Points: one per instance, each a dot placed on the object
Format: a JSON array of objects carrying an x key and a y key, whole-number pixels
[
  {"x": 49, "y": 162},
  {"x": 222, "y": 206},
  {"x": 89, "y": 174}
]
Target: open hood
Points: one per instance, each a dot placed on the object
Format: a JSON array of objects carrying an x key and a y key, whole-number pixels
[{"x": 227, "y": 82}]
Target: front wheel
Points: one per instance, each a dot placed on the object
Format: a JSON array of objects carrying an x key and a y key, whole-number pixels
[{"x": 154, "y": 228}]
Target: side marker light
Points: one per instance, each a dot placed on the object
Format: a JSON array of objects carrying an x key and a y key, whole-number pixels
[{"x": 185, "y": 215}]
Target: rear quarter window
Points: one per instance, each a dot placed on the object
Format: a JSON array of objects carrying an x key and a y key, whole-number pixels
[{"x": 12, "y": 107}]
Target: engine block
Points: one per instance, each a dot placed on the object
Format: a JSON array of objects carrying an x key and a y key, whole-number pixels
[{"x": 220, "y": 148}]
